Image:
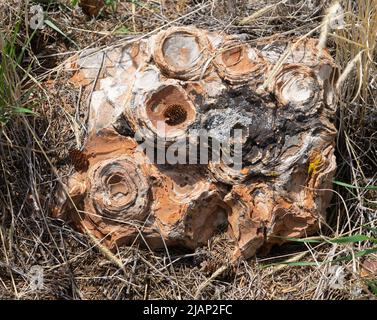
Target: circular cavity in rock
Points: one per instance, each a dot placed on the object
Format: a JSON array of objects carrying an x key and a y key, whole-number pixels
[
  {"x": 240, "y": 63},
  {"x": 175, "y": 114},
  {"x": 170, "y": 109},
  {"x": 297, "y": 86},
  {"x": 119, "y": 189},
  {"x": 181, "y": 52},
  {"x": 233, "y": 56}
]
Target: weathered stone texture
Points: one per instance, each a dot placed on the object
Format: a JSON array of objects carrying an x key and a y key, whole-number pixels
[{"x": 194, "y": 79}]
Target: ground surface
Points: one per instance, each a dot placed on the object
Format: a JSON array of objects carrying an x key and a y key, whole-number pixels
[{"x": 34, "y": 157}]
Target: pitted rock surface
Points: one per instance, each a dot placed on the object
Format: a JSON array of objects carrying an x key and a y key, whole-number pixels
[{"x": 192, "y": 80}]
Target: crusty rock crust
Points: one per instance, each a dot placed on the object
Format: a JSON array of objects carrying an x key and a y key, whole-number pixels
[{"x": 194, "y": 79}]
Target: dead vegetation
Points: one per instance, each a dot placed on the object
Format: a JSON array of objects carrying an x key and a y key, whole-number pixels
[{"x": 34, "y": 150}]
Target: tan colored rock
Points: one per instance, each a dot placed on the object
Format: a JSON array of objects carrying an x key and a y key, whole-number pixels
[
  {"x": 181, "y": 52},
  {"x": 121, "y": 197},
  {"x": 239, "y": 63},
  {"x": 204, "y": 84}
]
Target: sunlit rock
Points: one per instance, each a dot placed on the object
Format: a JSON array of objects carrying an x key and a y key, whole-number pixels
[{"x": 192, "y": 132}]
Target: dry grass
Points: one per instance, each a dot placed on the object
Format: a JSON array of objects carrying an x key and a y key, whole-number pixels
[{"x": 33, "y": 151}]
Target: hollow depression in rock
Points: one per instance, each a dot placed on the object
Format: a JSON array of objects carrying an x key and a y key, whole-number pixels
[{"x": 247, "y": 146}]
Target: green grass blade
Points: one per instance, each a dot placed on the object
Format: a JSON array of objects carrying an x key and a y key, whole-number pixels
[
  {"x": 296, "y": 263},
  {"x": 23, "y": 110},
  {"x": 303, "y": 240},
  {"x": 365, "y": 252},
  {"x": 352, "y": 239},
  {"x": 346, "y": 185},
  {"x": 57, "y": 29},
  {"x": 122, "y": 30},
  {"x": 346, "y": 239},
  {"x": 372, "y": 285},
  {"x": 348, "y": 257}
]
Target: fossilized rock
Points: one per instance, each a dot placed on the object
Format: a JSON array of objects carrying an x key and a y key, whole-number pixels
[
  {"x": 122, "y": 197},
  {"x": 204, "y": 84}
]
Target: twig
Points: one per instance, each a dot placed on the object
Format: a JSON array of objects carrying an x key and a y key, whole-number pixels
[{"x": 206, "y": 283}]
